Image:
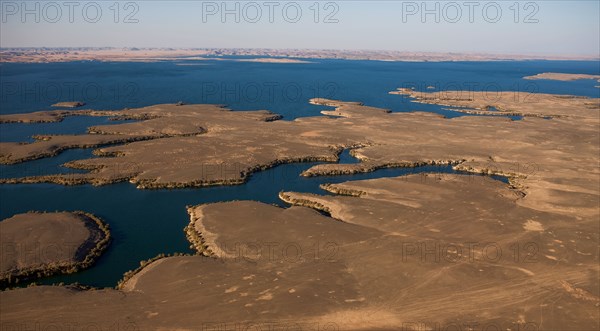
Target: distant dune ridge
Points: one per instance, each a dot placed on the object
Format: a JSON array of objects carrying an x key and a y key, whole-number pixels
[{"x": 44, "y": 55}]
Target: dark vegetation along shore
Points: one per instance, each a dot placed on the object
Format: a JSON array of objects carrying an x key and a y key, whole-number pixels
[
  {"x": 39, "y": 244},
  {"x": 373, "y": 254}
]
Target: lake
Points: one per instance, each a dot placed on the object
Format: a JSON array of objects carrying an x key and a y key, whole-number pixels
[{"x": 145, "y": 223}]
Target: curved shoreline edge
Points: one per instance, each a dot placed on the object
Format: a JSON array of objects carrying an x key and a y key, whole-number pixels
[{"x": 87, "y": 253}]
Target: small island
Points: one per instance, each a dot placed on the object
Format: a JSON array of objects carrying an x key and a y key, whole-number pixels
[
  {"x": 273, "y": 60},
  {"x": 39, "y": 244},
  {"x": 561, "y": 76},
  {"x": 69, "y": 104}
]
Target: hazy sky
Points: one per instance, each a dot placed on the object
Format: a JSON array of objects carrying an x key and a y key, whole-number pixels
[{"x": 529, "y": 27}]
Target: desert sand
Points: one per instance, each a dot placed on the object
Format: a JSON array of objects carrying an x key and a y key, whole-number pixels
[
  {"x": 36, "y": 117},
  {"x": 41, "y": 244},
  {"x": 562, "y": 77},
  {"x": 413, "y": 252},
  {"x": 446, "y": 252},
  {"x": 47, "y": 116},
  {"x": 69, "y": 104},
  {"x": 48, "y": 55},
  {"x": 45, "y": 55}
]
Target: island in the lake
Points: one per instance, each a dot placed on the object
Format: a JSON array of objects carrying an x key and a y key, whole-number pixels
[
  {"x": 69, "y": 104},
  {"x": 38, "y": 244},
  {"x": 562, "y": 76}
]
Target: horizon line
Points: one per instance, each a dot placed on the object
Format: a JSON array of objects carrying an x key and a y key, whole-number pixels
[{"x": 341, "y": 50}]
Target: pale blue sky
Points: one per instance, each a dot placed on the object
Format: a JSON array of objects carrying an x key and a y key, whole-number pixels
[{"x": 563, "y": 27}]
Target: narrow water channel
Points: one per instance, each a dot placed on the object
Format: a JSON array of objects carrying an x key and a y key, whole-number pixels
[{"x": 145, "y": 223}]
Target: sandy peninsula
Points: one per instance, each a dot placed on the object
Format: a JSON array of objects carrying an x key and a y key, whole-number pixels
[
  {"x": 36, "y": 117},
  {"x": 273, "y": 60},
  {"x": 47, "y": 116},
  {"x": 52, "y": 145},
  {"x": 37, "y": 244},
  {"x": 507, "y": 103},
  {"x": 562, "y": 77}
]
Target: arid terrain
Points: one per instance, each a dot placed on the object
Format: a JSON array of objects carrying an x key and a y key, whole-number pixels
[
  {"x": 562, "y": 77},
  {"x": 48, "y": 55},
  {"x": 413, "y": 252}
]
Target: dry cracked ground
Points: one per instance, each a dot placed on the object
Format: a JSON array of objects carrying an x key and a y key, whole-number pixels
[{"x": 414, "y": 252}]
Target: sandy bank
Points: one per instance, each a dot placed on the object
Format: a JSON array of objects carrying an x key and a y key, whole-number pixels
[{"x": 562, "y": 76}]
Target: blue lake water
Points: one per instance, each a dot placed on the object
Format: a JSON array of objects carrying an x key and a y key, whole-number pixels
[{"x": 145, "y": 223}]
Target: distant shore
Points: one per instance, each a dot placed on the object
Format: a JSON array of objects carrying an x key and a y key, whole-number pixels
[
  {"x": 562, "y": 76},
  {"x": 49, "y": 55}
]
